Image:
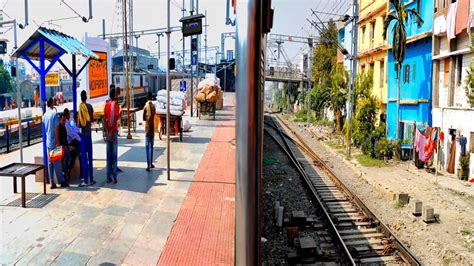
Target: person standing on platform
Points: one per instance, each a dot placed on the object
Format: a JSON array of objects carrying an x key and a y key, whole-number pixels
[
  {"x": 51, "y": 126},
  {"x": 74, "y": 140},
  {"x": 117, "y": 93},
  {"x": 149, "y": 118},
  {"x": 63, "y": 143},
  {"x": 86, "y": 117},
  {"x": 36, "y": 95},
  {"x": 112, "y": 115}
]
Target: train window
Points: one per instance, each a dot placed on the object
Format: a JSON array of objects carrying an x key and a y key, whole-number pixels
[{"x": 141, "y": 81}]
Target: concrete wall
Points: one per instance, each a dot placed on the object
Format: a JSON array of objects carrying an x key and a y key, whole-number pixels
[
  {"x": 373, "y": 51},
  {"x": 415, "y": 94},
  {"x": 454, "y": 118}
]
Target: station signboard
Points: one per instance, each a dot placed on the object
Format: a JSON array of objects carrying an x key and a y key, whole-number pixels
[
  {"x": 52, "y": 79},
  {"x": 98, "y": 76}
]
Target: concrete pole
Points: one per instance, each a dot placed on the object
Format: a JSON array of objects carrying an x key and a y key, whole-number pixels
[
  {"x": 191, "y": 87},
  {"x": 168, "y": 88},
  {"x": 355, "y": 21},
  {"x": 184, "y": 39},
  {"x": 127, "y": 86},
  {"x": 205, "y": 36}
]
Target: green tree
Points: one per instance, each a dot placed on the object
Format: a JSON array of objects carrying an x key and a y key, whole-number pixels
[
  {"x": 338, "y": 94},
  {"x": 6, "y": 81},
  {"x": 325, "y": 54},
  {"x": 283, "y": 98},
  {"x": 323, "y": 65},
  {"x": 400, "y": 16}
]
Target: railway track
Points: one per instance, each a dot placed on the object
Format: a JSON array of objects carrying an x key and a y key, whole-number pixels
[{"x": 362, "y": 237}]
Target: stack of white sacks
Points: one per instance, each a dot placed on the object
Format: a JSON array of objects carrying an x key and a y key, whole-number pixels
[{"x": 177, "y": 102}]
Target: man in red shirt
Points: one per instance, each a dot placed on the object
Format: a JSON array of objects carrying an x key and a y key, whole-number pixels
[{"x": 112, "y": 115}]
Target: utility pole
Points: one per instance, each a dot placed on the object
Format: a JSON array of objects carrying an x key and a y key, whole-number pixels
[
  {"x": 168, "y": 88},
  {"x": 309, "y": 75},
  {"x": 355, "y": 21},
  {"x": 205, "y": 36},
  {"x": 127, "y": 86},
  {"x": 183, "y": 54},
  {"x": 191, "y": 11},
  {"x": 17, "y": 80}
]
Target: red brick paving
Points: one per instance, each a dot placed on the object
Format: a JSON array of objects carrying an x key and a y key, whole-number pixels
[{"x": 203, "y": 233}]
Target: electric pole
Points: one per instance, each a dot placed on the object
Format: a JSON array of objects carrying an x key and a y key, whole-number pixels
[
  {"x": 355, "y": 20},
  {"x": 168, "y": 88},
  {"x": 127, "y": 86}
]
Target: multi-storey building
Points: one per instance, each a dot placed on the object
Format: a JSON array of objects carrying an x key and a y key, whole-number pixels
[
  {"x": 372, "y": 46},
  {"x": 415, "y": 76},
  {"x": 345, "y": 40},
  {"x": 452, "y": 56}
]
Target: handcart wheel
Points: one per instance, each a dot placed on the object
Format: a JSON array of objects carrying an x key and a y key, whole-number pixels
[{"x": 134, "y": 121}]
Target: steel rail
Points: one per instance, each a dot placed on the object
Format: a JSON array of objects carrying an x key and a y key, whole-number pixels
[
  {"x": 285, "y": 147},
  {"x": 405, "y": 253}
]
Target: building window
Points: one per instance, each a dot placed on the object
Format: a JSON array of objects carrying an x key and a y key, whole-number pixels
[
  {"x": 459, "y": 70},
  {"x": 383, "y": 23},
  {"x": 372, "y": 33},
  {"x": 371, "y": 68},
  {"x": 382, "y": 73},
  {"x": 407, "y": 74},
  {"x": 413, "y": 72},
  {"x": 363, "y": 34},
  {"x": 446, "y": 72}
]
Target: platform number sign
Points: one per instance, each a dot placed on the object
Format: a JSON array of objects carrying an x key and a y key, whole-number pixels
[{"x": 182, "y": 85}]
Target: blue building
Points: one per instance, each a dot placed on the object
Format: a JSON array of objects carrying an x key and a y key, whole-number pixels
[
  {"x": 345, "y": 40},
  {"x": 416, "y": 74}
]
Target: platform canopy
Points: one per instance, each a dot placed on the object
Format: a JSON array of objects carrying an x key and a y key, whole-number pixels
[
  {"x": 49, "y": 45},
  {"x": 56, "y": 43}
]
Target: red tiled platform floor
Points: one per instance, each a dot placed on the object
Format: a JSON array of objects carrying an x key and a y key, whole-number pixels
[{"x": 203, "y": 233}]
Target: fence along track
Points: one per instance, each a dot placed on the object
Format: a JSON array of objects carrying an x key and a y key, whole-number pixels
[{"x": 364, "y": 238}]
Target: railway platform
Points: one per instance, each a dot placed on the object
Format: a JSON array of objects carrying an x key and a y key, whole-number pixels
[{"x": 143, "y": 217}]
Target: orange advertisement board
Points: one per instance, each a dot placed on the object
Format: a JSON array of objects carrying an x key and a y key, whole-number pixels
[{"x": 98, "y": 76}]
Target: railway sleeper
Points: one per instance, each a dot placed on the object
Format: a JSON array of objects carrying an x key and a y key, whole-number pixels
[
  {"x": 332, "y": 194},
  {"x": 363, "y": 236},
  {"x": 365, "y": 242},
  {"x": 353, "y": 224},
  {"x": 374, "y": 260},
  {"x": 343, "y": 210},
  {"x": 331, "y": 189},
  {"x": 334, "y": 199},
  {"x": 349, "y": 218},
  {"x": 346, "y": 215},
  {"x": 358, "y": 231}
]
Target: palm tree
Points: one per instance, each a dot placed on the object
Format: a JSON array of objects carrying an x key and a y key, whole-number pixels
[
  {"x": 400, "y": 15},
  {"x": 338, "y": 93}
]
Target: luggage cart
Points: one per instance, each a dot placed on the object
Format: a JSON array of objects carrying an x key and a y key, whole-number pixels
[
  {"x": 176, "y": 123},
  {"x": 207, "y": 108}
]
